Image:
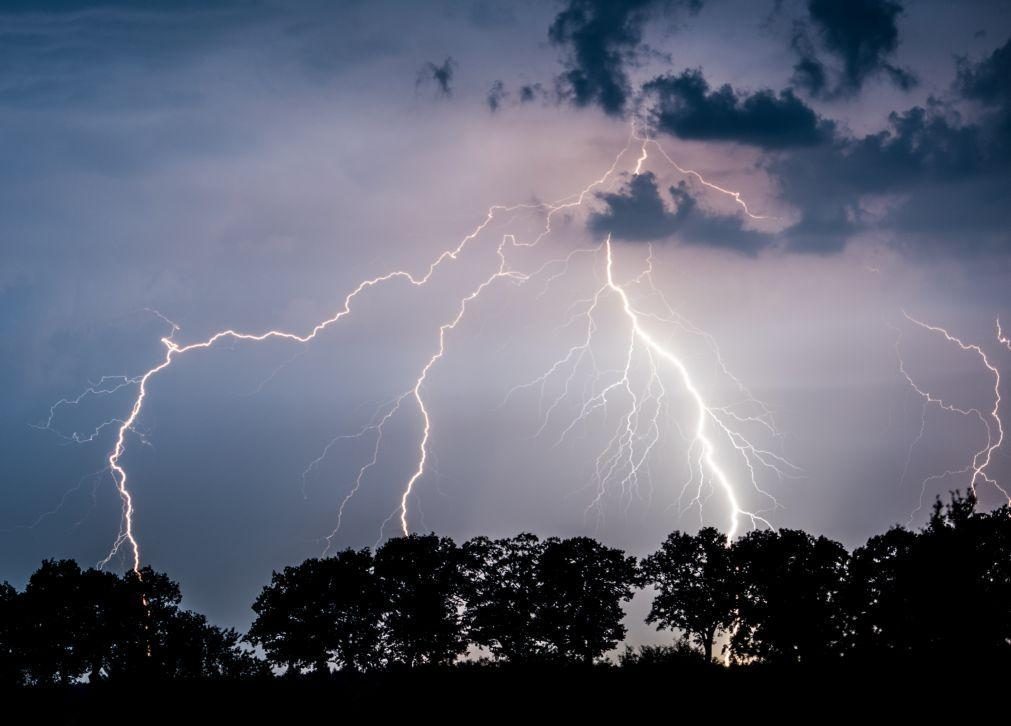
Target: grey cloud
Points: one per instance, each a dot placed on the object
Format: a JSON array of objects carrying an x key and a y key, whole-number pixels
[
  {"x": 944, "y": 175},
  {"x": 638, "y": 214},
  {"x": 602, "y": 37},
  {"x": 861, "y": 35},
  {"x": 933, "y": 181},
  {"x": 684, "y": 106},
  {"x": 441, "y": 75},
  {"x": 531, "y": 92},
  {"x": 496, "y": 95},
  {"x": 989, "y": 81}
]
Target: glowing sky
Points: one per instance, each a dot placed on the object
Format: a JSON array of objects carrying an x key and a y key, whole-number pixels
[{"x": 246, "y": 166}]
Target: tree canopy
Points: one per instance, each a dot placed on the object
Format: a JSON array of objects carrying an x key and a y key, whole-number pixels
[
  {"x": 696, "y": 585},
  {"x": 784, "y": 598}
]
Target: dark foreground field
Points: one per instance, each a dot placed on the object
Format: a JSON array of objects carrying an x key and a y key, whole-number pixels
[{"x": 562, "y": 695}]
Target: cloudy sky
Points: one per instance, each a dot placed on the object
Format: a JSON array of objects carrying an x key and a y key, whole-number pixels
[{"x": 246, "y": 164}]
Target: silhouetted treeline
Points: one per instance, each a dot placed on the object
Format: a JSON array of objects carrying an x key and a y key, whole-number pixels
[
  {"x": 941, "y": 594},
  {"x": 71, "y": 623}
]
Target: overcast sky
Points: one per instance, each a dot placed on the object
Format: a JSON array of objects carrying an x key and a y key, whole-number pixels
[{"x": 246, "y": 164}]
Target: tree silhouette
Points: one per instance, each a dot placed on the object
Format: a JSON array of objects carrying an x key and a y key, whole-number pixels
[
  {"x": 940, "y": 595},
  {"x": 789, "y": 608},
  {"x": 696, "y": 583},
  {"x": 291, "y": 622},
  {"x": 324, "y": 610},
  {"x": 962, "y": 575},
  {"x": 356, "y": 606},
  {"x": 196, "y": 650},
  {"x": 956, "y": 583},
  {"x": 421, "y": 578},
  {"x": 681, "y": 654},
  {"x": 987, "y": 541},
  {"x": 71, "y": 623},
  {"x": 145, "y": 608},
  {"x": 502, "y": 592},
  {"x": 99, "y": 623},
  {"x": 583, "y": 584},
  {"x": 10, "y": 657},
  {"x": 876, "y": 598},
  {"x": 59, "y": 624}
]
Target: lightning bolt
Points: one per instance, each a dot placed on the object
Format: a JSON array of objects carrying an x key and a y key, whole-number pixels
[
  {"x": 628, "y": 453},
  {"x": 736, "y": 196},
  {"x": 976, "y": 468},
  {"x": 705, "y": 414}
]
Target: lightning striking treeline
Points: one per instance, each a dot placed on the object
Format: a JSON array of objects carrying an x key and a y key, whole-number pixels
[{"x": 721, "y": 450}]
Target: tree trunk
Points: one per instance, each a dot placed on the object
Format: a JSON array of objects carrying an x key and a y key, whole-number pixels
[{"x": 707, "y": 645}]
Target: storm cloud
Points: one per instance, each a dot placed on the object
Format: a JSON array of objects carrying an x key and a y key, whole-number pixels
[
  {"x": 684, "y": 106},
  {"x": 637, "y": 213},
  {"x": 860, "y": 36},
  {"x": 944, "y": 176},
  {"x": 601, "y": 39}
]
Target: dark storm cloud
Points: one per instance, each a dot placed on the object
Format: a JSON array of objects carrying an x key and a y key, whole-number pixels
[
  {"x": 989, "y": 81},
  {"x": 921, "y": 152},
  {"x": 946, "y": 179},
  {"x": 861, "y": 35},
  {"x": 602, "y": 37},
  {"x": 638, "y": 214},
  {"x": 441, "y": 75},
  {"x": 685, "y": 107},
  {"x": 932, "y": 181}
]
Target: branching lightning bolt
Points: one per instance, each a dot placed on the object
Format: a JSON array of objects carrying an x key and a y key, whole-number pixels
[
  {"x": 626, "y": 455},
  {"x": 705, "y": 414},
  {"x": 976, "y": 468}
]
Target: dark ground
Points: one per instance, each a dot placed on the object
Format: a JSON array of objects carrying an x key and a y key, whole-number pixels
[{"x": 563, "y": 695}]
